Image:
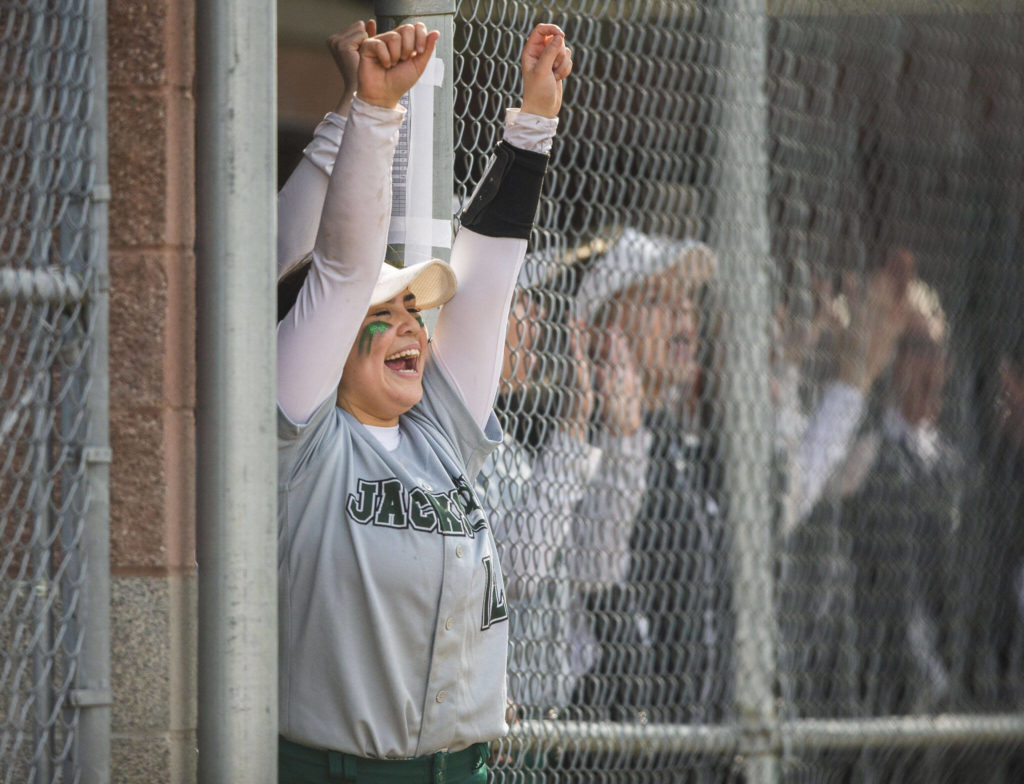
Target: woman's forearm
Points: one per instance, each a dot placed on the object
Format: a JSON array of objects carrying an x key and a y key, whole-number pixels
[
  {"x": 301, "y": 201},
  {"x": 486, "y": 257},
  {"x": 315, "y": 337}
]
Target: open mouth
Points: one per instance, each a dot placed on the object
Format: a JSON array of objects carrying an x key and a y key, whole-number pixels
[{"x": 405, "y": 362}]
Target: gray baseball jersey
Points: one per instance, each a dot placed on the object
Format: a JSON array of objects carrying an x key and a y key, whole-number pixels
[{"x": 393, "y": 624}]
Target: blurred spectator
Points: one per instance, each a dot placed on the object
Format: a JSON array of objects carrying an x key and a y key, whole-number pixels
[
  {"x": 861, "y": 326},
  {"x": 651, "y": 552},
  {"x": 859, "y": 329},
  {"x": 568, "y": 422},
  {"x": 1008, "y": 664},
  {"x": 531, "y": 485},
  {"x": 990, "y": 632},
  {"x": 902, "y": 493},
  {"x": 865, "y": 578}
]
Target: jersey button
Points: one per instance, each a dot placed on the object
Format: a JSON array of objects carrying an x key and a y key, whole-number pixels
[
  {"x": 441, "y": 696},
  {"x": 449, "y": 624},
  {"x": 458, "y": 551}
]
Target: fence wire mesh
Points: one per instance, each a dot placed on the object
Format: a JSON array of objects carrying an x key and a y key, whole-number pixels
[
  {"x": 760, "y": 495},
  {"x": 45, "y": 337}
]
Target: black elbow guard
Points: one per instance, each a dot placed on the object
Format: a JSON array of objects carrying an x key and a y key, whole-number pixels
[{"x": 504, "y": 203}]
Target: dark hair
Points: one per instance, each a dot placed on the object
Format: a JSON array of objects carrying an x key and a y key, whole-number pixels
[
  {"x": 288, "y": 289},
  {"x": 530, "y": 415}
]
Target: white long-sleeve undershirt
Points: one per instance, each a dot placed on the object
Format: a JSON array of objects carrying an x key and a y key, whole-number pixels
[
  {"x": 301, "y": 200},
  {"x": 824, "y": 442},
  {"x": 313, "y": 345},
  {"x": 315, "y": 337}
]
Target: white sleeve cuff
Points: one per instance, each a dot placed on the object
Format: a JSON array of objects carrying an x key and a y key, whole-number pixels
[
  {"x": 359, "y": 106},
  {"x": 333, "y": 124},
  {"x": 529, "y": 131},
  {"x": 323, "y": 148}
]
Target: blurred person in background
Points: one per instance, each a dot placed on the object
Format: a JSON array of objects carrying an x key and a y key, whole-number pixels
[
  {"x": 987, "y": 642},
  {"x": 1010, "y": 451},
  {"x": 857, "y": 331},
  {"x": 651, "y": 561},
  {"x": 902, "y": 497},
  {"x": 547, "y": 465},
  {"x": 531, "y": 484},
  {"x": 633, "y": 303},
  {"x": 985, "y": 627},
  {"x": 1008, "y": 470},
  {"x": 900, "y": 501}
]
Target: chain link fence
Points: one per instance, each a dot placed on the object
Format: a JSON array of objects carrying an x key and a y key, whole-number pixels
[
  {"x": 49, "y": 278},
  {"x": 761, "y": 490}
]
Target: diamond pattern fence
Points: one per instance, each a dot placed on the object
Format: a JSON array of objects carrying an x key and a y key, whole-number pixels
[
  {"x": 760, "y": 494},
  {"x": 50, "y": 276}
]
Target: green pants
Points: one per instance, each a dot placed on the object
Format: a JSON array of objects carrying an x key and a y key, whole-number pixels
[{"x": 297, "y": 764}]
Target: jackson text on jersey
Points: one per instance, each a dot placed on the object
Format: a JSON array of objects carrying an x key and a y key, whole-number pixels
[{"x": 387, "y": 503}]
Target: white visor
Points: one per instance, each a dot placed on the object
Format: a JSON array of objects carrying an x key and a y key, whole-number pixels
[{"x": 432, "y": 282}]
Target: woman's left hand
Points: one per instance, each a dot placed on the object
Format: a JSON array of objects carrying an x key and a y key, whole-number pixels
[
  {"x": 546, "y": 61},
  {"x": 392, "y": 62}
]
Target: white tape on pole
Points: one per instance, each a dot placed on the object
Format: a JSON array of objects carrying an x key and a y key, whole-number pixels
[{"x": 412, "y": 221}]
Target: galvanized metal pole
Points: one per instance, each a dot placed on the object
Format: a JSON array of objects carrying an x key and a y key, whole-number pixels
[
  {"x": 742, "y": 221},
  {"x": 92, "y": 688},
  {"x": 436, "y": 15},
  {"x": 236, "y": 459}
]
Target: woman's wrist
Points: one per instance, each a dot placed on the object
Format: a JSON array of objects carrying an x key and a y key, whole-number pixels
[
  {"x": 380, "y": 101},
  {"x": 345, "y": 103},
  {"x": 539, "y": 111}
]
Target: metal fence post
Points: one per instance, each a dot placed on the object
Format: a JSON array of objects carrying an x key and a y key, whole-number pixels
[
  {"x": 236, "y": 462},
  {"x": 436, "y": 15},
  {"x": 748, "y": 425},
  {"x": 92, "y": 689}
]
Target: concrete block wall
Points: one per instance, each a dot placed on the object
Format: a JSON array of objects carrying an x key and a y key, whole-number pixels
[{"x": 152, "y": 390}]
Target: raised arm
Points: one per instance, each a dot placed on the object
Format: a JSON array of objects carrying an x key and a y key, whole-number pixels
[
  {"x": 301, "y": 201},
  {"x": 496, "y": 224},
  {"x": 314, "y": 338},
  {"x": 877, "y": 315}
]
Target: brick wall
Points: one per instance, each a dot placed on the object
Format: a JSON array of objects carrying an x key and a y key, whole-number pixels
[{"x": 152, "y": 389}]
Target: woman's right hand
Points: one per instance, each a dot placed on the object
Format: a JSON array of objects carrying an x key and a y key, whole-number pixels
[
  {"x": 617, "y": 383},
  {"x": 580, "y": 394},
  {"x": 392, "y": 62},
  {"x": 344, "y": 48}
]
